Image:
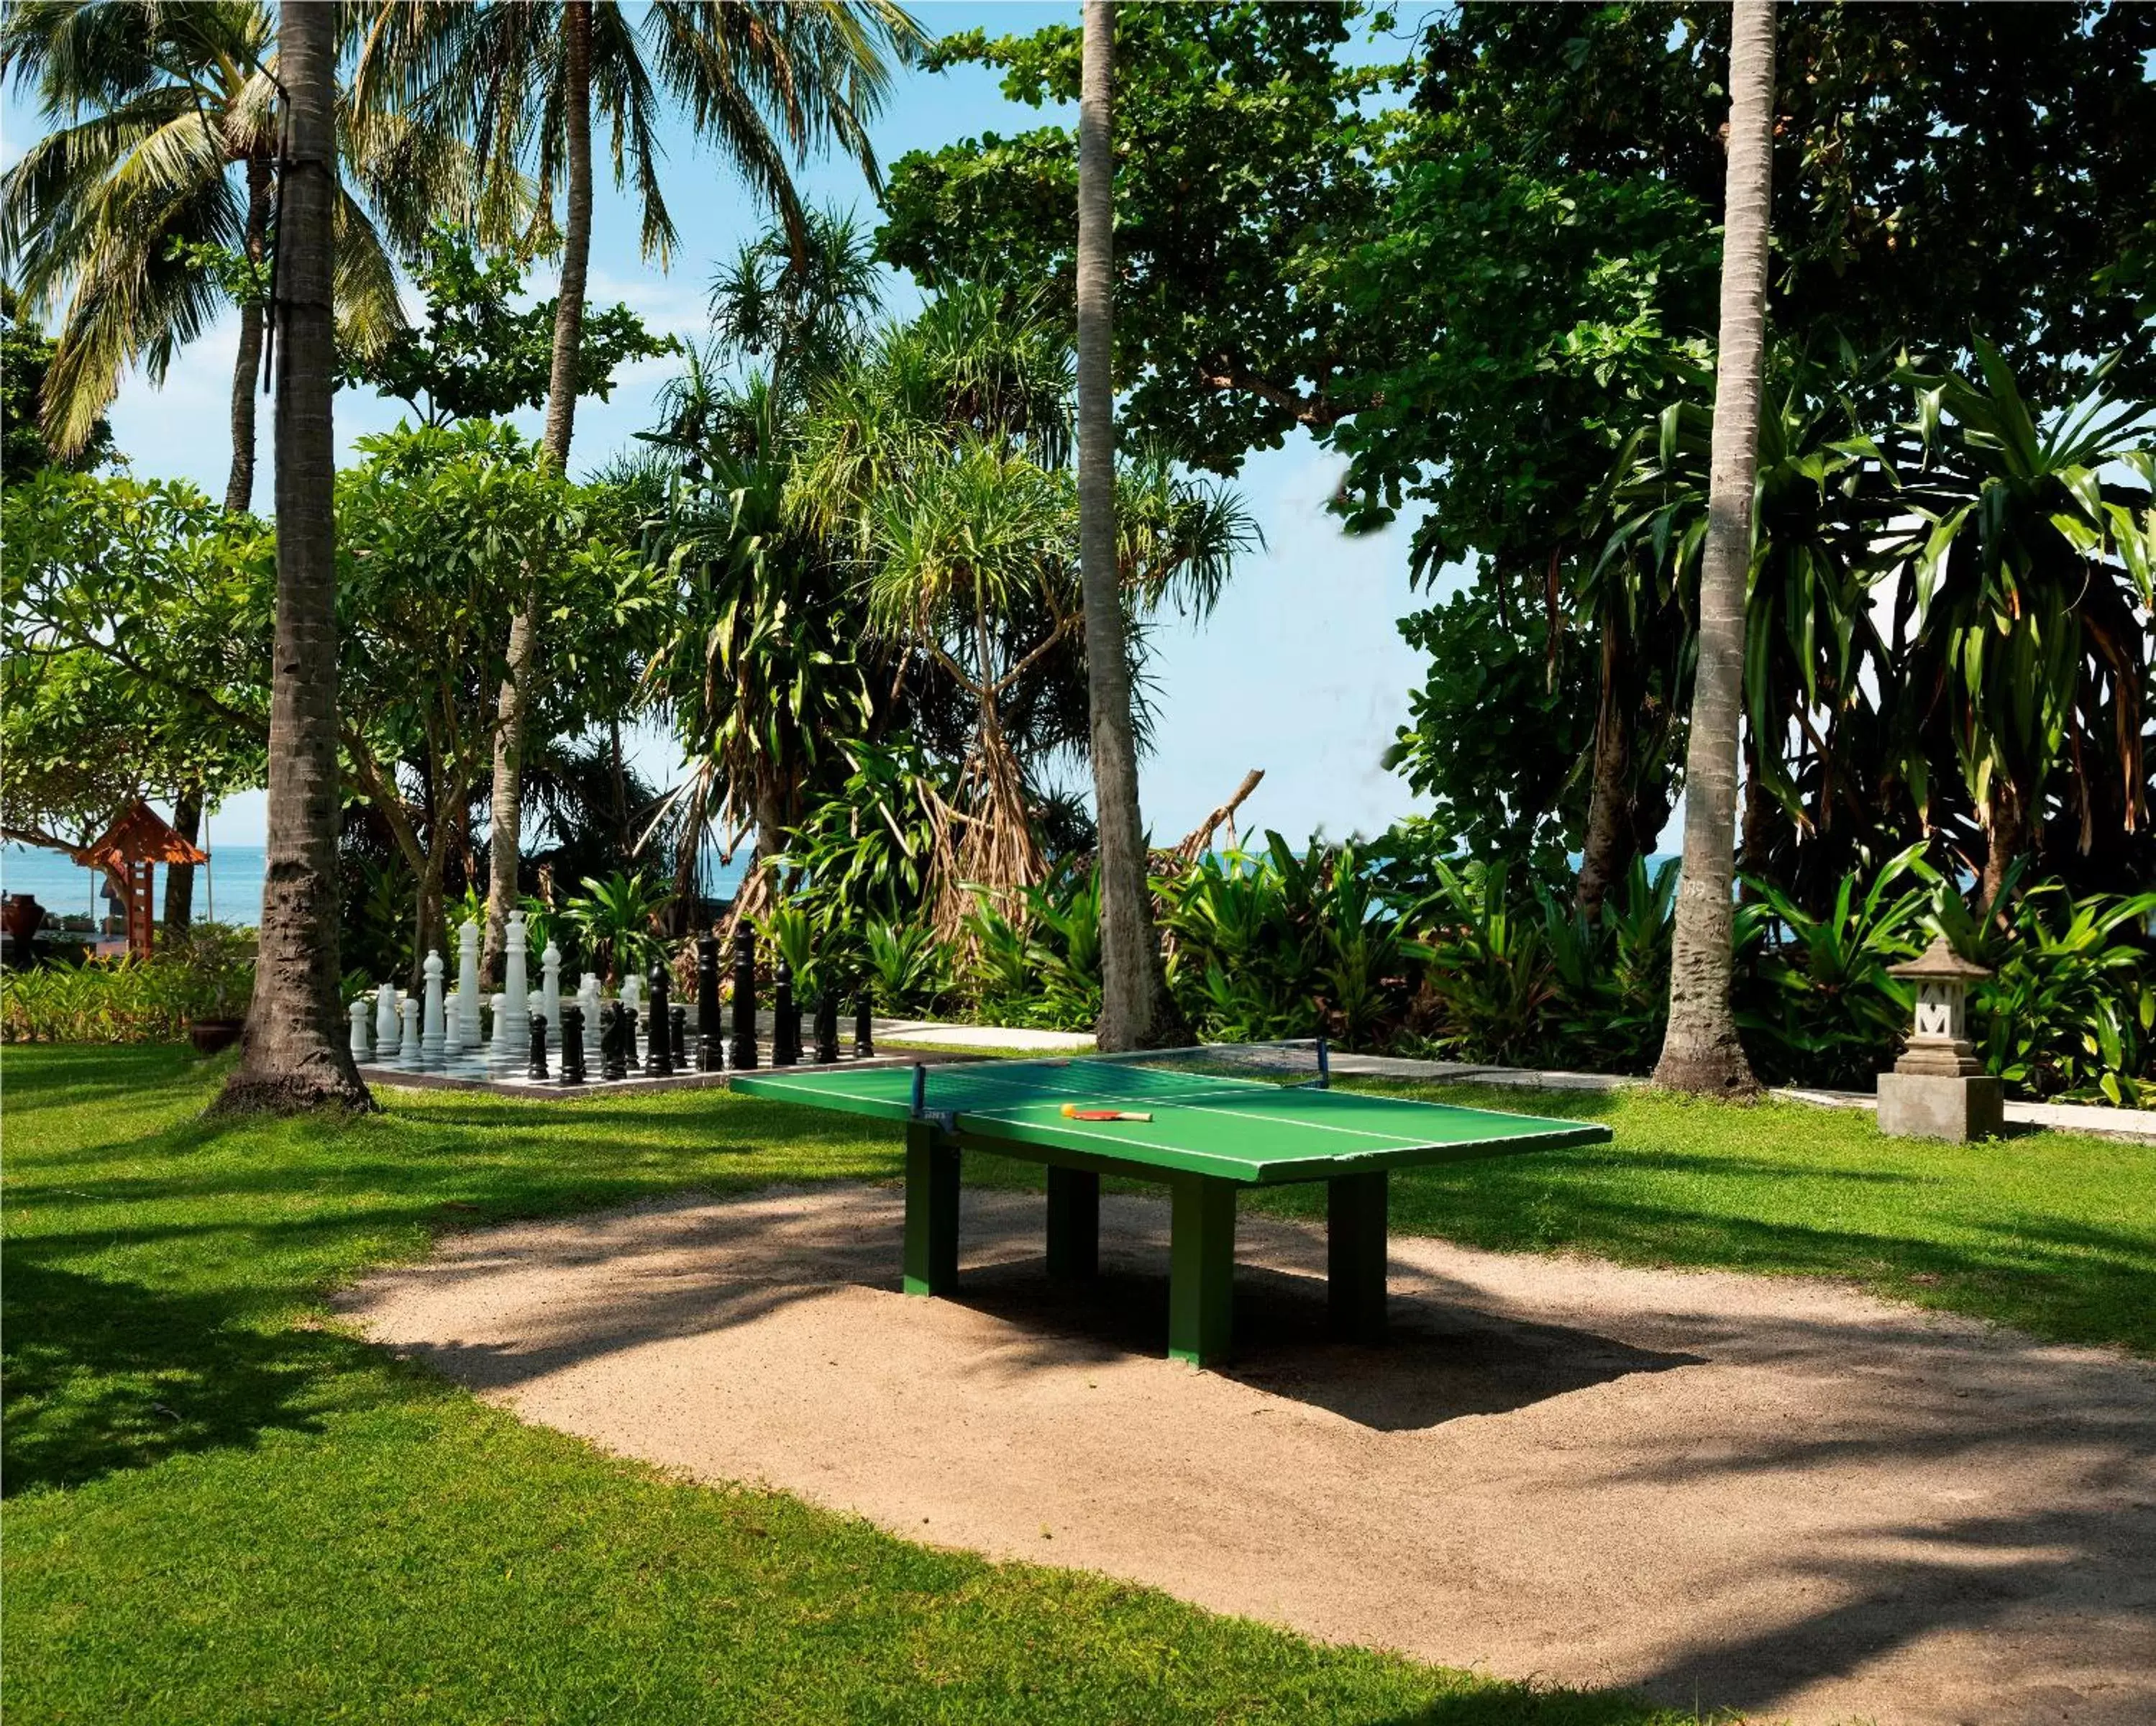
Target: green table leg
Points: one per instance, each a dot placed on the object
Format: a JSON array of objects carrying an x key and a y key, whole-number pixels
[
  {"x": 1355, "y": 1255},
  {"x": 931, "y": 1210},
  {"x": 1201, "y": 1282},
  {"x": 1074, "y": 1224}
]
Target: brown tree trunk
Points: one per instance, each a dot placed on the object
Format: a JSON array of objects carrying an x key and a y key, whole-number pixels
[
  {"x": 506, "y": 805},
  {"x": 1701, "y": 1052},
  {"x": 180, "y": 878},
  {"x": 295, "y": 1054},
  {"x": 240, "y": 483},
  {"x": 2008, "y": 832},
  {"x": 1606, "y": 852},
  {"x": 1136, "y": 1011},
  {"x": 1762, "y": 815}
]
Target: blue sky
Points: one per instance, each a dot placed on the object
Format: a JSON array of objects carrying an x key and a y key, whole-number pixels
[{"x": 1299, "y": 671}]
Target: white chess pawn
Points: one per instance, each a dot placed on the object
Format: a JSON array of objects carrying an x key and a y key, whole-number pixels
[
  {"x": 468, "y": 994},
  {"x": 587, "y": 998},
  {"x": 453, "y": 1026},
  {"x": 432, "y": 1034},
  {"x": 385, "y": 1028},
  {"x": 362, "y": 1050},
  {"x": 408, "y": 1049},
  {"x": 503, "y": 1051},
  {"x": 632, "y": 997},
  {"x": 550, "y": 989}
]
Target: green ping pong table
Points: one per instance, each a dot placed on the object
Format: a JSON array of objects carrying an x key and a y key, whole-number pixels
[{"x": 1223, "y": 1117}]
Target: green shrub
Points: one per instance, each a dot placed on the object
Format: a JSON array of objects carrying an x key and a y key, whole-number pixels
[{"x": 207, "y": 974}]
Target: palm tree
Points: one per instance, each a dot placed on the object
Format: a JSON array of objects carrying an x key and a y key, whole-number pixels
[
  {"x": 768, "y": 82},
  {"x": 295, "y": 1055},
  {"x": 1701, "y": 1052},
  {"x": 1137, "y": 1010},
  {"x": 159, "y": 161}
]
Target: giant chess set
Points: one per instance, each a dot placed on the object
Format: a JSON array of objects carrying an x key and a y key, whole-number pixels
[{"x": 523, "y": 1037}]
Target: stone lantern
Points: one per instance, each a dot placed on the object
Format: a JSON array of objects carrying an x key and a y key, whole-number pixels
[{"x": 1936, "y": 1090}]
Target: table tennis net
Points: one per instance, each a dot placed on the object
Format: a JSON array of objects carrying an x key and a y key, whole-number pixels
[{"x": 1110, "y": 1079}]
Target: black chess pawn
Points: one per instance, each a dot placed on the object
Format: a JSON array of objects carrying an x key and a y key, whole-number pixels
[
  {"x": 786, "y": 1027},
  {"x": 827, "y": 1027},
  {"x": 710, "y": 1054},
  {"x": 572, "y": 1044},
  {"x": 537, "y": 1071},
  {"x": 681, "y": 1023},
  {"x": 864, "y": 1036},
  {"x": 740, "y": 1057},
  {"x": 658, "y": 1044}
]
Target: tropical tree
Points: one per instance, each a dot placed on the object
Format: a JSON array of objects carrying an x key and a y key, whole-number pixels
[
  {"x": 765, "y": 82},
  {"x": 1700, "y": 1051},
  {"x": 295, "y": 1054},
  {"x": 2036, "y": 586},
  {"x": 151, "y": 199},
  {"x": 25, "y": 355},
  {"x": 1137, "y": 1010},
  {"x": 474, "y": 355}
]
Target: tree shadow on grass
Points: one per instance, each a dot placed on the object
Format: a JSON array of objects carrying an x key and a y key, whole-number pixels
[{"x": 106, "y": 1375}]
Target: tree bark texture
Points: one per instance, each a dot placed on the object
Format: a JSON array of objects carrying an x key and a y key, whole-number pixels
[
  {"x": 247, "y": 366},
  {"x": 296, "y": 1054},
  {"x": 1701, "y": 1052},
  {"x": 180, "y": 877},
  {"x": 1606, "y": 852},
  {"x": 513, "y": 711},
  {"x": 1136, "y": 1010}
]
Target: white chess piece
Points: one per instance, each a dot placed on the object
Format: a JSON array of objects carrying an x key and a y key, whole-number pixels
[
  {"x": 550, "y": 991},
  {"x": 516, "y": 986},
  {"x": 502, "y": 1052},
  {"x": 587, "y": 998},
  {"x": 632, "y": 997},
  {"x": 433, "y": 1035},
  {"x": 386, "y": 1026},
  {"x": 362, "y": 1050},
  {"x": 408, "y": 1049},
  {"x": 468, "y": 992},
  {"x": 453, "y": 1026}
]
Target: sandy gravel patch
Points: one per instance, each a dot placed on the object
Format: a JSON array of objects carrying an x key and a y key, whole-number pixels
[{"x": 1761, "y": 1494}]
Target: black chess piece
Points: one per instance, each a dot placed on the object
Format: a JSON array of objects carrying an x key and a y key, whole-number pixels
[
  {"x": 659, "y": 1044},
  {"x": 864, "y": 1037},
  {"x": 680, "y": 1023},
  {"x": 827, "y": 1027},
  {"x": 613, "y": 1056},
  {"x": 710, "y": 1055},
  {"x": 572, "y": 1044},
  {"x": 536, "y": 1071},
  {"x": 786, "y": 1027},
  {"x": 740, "y": 1057}
]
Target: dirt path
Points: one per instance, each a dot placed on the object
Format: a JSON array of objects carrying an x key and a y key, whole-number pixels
[{"x": 1765, "y": 1495}]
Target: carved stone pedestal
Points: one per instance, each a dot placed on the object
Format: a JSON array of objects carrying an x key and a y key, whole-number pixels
[
  {"x": 1937, "y": 1089},
  {"x": 1938, "y": 1105}
]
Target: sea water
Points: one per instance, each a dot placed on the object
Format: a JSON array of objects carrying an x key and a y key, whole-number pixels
[{"x": 227, "y": 888}]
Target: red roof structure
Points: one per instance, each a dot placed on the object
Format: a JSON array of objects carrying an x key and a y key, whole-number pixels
[{"x": 129, "y": 854}]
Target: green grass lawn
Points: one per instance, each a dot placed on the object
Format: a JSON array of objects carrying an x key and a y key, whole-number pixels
[{"x": 223, "y": 1509}]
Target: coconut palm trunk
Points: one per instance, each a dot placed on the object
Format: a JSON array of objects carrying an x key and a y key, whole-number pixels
[
  {"x": 1136, "y": 1011},
  {"x": 1701, "y": 1052},
  {"x": 295, "y": 1055},
  {"x": 506, "y": 805}
]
